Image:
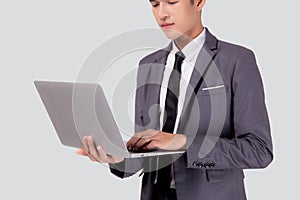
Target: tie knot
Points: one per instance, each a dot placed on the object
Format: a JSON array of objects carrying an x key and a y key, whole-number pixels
[{"x": 179, "y": 56}]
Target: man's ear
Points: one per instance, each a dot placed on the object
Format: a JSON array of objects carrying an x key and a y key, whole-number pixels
[{"x": 200, "y": 4}]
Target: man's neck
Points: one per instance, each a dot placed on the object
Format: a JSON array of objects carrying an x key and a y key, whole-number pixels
[{"x": 182, "y": 41}]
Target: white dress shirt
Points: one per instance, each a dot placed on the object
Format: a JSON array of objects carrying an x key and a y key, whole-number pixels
[{"x": 190, "y": 51}]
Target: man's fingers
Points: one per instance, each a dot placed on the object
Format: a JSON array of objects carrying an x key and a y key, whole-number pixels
[
  {"x": 96, "y": 154},
  {"x": 109, "y": 158},
  {"x": 92, "y": 148},
  {"x": 141, "y": 143},
  {"x": 85, "y": 144},
  {"x": 92, "y": 158},
  {"x": 85, "y": 150},
  {"x": 135, "y": 140},
  {"x": 102, "y": 155},
  {"x": 81, "y": 152},
  {"x": 131, "y": 143},
  {"x": 151, "y": 145}
]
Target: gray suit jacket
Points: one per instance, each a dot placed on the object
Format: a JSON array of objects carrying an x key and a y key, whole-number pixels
[{"x": 224, "y": 118}]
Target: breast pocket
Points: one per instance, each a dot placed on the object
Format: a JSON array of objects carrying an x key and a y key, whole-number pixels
[{"x": 212, "y": 90}]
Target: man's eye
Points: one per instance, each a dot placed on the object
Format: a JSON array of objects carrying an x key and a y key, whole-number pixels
[
  {"x": 173, "y": 2},
  {"x": 155, "y": 5}
]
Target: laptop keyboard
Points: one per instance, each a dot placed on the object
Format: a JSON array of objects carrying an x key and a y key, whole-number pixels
[{"x": 141, "y": 150}]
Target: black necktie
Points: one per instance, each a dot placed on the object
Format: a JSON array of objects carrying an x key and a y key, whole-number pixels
[{"x": 171, "y": 104}]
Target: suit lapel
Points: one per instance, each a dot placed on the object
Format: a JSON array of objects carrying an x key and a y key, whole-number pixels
[
  {"x": 154, "y": 79},
  {"x": 203, "y": 62},
  {"x": 155, "y": 76},
  {"x": 158, "y": 68}
]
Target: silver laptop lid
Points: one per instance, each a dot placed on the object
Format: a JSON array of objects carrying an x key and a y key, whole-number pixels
[{"x": 79, "y": 109}]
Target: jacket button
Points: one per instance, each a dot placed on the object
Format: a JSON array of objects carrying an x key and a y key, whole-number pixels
[
  {"x": 211, "y": 165},
  {"x": 195, "y": 164}
]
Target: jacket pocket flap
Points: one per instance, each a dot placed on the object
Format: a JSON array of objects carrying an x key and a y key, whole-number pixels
[{"x": 219, "y": 175}]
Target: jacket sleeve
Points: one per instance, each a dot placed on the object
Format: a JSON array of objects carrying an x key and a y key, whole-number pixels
[{"x": 251, "y": 146}]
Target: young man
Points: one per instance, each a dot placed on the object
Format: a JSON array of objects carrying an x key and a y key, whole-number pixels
[{"x": 233, "y": 131}]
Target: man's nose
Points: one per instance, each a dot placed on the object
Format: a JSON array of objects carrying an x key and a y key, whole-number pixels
[{"x": 163, "y": 12}]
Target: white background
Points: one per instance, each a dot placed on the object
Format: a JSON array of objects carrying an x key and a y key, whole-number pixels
[{"x": 52, "y": 39}]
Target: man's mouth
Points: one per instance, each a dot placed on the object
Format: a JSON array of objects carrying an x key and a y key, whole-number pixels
[{"x": 166, "y": 25}]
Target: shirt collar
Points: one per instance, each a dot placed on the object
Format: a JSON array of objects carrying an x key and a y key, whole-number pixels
[{"x": 192, "y": 48}]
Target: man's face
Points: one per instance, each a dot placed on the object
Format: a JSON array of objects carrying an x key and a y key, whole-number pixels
[{"x": 177, "y": 17}]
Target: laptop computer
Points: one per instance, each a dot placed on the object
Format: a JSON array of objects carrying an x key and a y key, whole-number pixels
[{"x": 79, "y": 109}]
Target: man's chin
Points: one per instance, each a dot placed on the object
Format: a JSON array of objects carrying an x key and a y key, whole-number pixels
[{"x": 172, "y": 35}]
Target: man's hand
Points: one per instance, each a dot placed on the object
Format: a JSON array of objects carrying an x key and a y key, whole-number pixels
[
  {"x": 96, "y": 154},
  {"x": 153, "y": 139}
]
